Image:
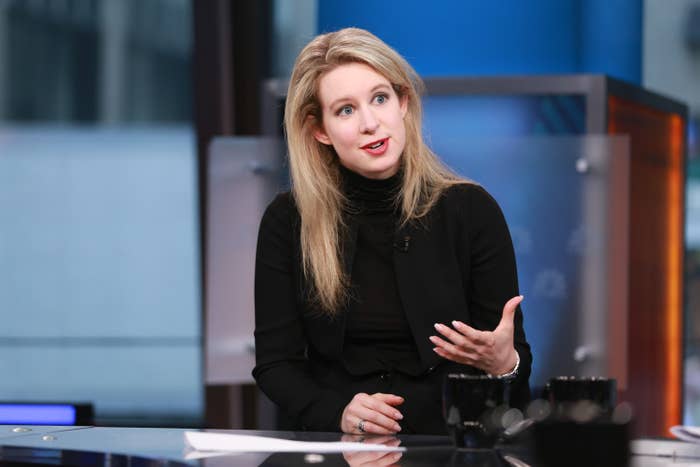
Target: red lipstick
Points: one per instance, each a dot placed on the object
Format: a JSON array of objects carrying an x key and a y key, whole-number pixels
[{"x": 377, "y": 148}]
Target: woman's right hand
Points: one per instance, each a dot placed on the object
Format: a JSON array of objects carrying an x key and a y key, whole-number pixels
[{"x": 377, "y": 411}]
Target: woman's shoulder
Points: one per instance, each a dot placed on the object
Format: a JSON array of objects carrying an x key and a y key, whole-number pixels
[
  {"x": 468, "y": 194},
  {"x": 471, "y": 204},
  {"x": 281, "y": 211},
  {"x": 283, "y": 201}
]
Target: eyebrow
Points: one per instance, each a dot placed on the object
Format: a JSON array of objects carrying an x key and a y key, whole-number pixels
[{"x": 346, "y": 98}]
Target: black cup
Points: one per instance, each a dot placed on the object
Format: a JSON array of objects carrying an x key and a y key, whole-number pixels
[
  {"x": 473, "y": 406},
  {"x": 576, "y": 397}
]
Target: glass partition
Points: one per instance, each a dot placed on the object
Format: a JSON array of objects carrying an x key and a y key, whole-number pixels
[
  {"x": 244, "y": 175},
  {"x": 565, "y": 199},
  {"x": 566, "y": 202}
]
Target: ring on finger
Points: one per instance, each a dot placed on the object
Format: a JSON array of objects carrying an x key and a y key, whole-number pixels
[{"x": 361, "y": 426}]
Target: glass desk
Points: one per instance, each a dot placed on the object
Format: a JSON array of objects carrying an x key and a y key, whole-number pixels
[{"x": 101, "y": 446}]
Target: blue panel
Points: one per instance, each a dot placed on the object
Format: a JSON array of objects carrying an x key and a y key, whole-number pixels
[
  {"x": 611, "y": 38},
  {"x": 504, "y": 115},
  {"x": 457, "y": 37},
  {"x": 37, "y": 414}
]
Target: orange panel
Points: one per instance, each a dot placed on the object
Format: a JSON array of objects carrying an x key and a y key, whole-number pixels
[{"x": 656, "y": 262}]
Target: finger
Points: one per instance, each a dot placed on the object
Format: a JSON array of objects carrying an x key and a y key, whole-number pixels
[
  {"x": 387, "y": 459},
  {"x": 364, "y": 407},
  {"x": 377, "y": 404},
  {"x": 385, "y": 440},
  {"x": 393, "y": 443},
  {"x": 449, "y": 348},
  {"x": 454, "y": 336},
  {"x": 376, "y": 458},
  {"x": 389, "y": 425},
  {"x": 370, "y": 458},
  {"x": 448, "y": 356},
  {"x": 391, "y": 399},
  {"x": 454, "y": 353},
  {"x": 384, "y": 426},
  {"x": 357, "y": 458},
  {"x": 371, "y": 409},
  {"x": 465, "y": 359},
  {"x": 509, "y": 311},
  {"x": 473, "y": 335},
  {"x": 467, "y": 336}
]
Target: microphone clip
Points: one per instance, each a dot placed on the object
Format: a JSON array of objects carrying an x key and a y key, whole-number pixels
[{"x": 402, "y": 244}]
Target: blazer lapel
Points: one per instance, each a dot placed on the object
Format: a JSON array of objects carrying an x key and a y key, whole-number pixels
[
  {"x": 412, "y": 261},
  {"x": 429, "y": 282}
]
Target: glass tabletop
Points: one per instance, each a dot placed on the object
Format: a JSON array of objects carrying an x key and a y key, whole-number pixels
[{"x": 93, "y": 446}]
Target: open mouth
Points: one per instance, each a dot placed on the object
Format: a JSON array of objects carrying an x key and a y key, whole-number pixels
[{"x": 376, "y": 146}]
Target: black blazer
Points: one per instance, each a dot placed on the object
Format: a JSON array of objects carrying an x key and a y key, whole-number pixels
[{"x": 457, "y": 263}]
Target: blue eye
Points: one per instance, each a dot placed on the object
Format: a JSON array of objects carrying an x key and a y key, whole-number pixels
[
  {"x": 345, "y": 110},
  {"x": 381, "y": 98}
]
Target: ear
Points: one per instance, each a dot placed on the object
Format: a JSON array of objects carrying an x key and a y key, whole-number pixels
[
  {"x": 404, "y": 105},
  {"x": 318, "y": 131},
  {"x": 321, "y": 136}
]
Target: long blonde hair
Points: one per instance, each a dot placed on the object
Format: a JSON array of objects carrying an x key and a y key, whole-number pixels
[{"x": 316, "y": 184}]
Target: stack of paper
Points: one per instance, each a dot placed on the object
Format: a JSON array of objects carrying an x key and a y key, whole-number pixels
[
  {"x": 686, "y": 446},
  {"x": 203, "y": 441}
]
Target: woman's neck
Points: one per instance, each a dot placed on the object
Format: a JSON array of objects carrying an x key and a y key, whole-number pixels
[{"x": 369, "y": 194}]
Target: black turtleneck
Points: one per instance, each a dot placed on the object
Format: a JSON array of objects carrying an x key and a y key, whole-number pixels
[{"x": 378, "y": 337}]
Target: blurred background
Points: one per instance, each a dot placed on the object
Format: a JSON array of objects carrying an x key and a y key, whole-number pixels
[{"x": 111, "y": 229}]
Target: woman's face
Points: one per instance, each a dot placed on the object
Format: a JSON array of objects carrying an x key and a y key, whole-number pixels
[{"x": 362, "y": 120}]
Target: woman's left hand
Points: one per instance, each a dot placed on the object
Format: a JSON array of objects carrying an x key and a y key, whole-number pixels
[{"x": 491, "y": 351}]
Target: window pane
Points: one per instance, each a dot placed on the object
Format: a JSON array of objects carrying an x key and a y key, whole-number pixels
[{"x": 99, "y": 251}]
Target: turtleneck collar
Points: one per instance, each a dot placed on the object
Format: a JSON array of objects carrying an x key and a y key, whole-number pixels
[{"x": 370, "y": 195}]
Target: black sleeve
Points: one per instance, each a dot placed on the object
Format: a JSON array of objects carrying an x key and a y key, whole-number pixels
[
  {"x": 494, "y": 280},
  {"x": 281, "y": 369}
]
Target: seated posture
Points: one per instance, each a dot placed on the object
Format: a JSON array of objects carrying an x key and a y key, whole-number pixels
[{"x": 382, "y": 270}]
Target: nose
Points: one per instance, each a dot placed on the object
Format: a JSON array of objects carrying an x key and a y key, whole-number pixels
[{"x": 368, "y": 121}]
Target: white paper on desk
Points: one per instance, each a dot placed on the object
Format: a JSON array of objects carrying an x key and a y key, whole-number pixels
[
  {"x": 203, "y": 441},
  {"x": 674, "y": 448},
  {"x": 686, "y": 433}
]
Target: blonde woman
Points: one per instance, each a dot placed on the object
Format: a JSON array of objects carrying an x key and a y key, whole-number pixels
[{"x": 382, "y": 270}]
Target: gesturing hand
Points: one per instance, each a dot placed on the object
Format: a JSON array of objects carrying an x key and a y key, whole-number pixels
[
  {"x": 491, "y": 351},
  {"x": 376, "y": 412}
]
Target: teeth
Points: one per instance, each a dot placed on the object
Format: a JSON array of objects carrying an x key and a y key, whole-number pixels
[{"x": 375, "y": 146}]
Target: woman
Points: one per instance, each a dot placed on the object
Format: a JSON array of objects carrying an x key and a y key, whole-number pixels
[{"x": 381, "y": 271}]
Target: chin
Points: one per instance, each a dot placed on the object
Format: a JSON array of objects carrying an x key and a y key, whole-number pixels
[{"x": 391, "y": 169}]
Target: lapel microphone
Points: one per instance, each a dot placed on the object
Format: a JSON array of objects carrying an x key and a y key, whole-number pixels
[{"x": 403, "y": 244}]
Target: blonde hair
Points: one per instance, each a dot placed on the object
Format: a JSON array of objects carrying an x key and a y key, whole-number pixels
[{"x": 316, "y": 184}]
